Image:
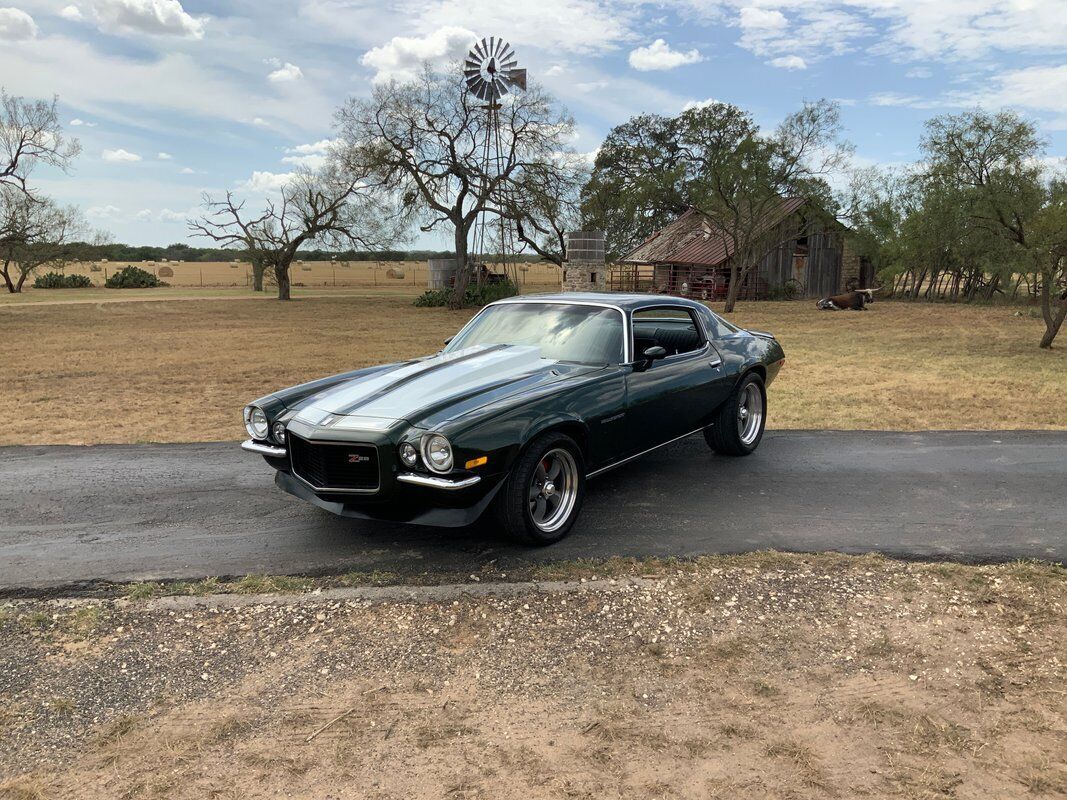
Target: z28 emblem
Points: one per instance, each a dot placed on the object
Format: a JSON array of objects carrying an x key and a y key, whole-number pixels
[{"x": 356, "y": 458}]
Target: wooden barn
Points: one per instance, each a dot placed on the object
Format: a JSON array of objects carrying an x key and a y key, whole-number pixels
[{"x": 688, "y": 258}]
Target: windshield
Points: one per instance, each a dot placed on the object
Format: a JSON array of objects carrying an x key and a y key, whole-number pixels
[{"x": 582, "y": 334}]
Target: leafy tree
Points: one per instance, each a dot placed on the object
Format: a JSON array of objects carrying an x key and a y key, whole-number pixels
[
  {"x": 994, "y": 159},
  {"x": 34, "y": 232},
  {"x": 424, "y": 142},
  {"x": 313, "y": 207},
  {"x": 717, "y": 159}
]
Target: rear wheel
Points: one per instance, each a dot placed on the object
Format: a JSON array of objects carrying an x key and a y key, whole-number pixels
[
  {"x": 543, "y": 495},
  {"x": 739, "y": 423}
]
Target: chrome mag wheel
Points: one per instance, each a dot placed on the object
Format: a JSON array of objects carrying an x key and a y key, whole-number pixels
[
  {"x": 553, "y": 489},
  {"x": 749, "y": 413}
]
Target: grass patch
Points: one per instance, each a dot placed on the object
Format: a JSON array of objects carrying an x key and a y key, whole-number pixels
[{"x": 900, "y": 366}]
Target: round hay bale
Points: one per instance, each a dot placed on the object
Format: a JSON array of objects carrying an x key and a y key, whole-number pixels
[
  {"x": 234, "y": 265},
  {"x": 166, "y": 272},
  {"x": 393, "y": 272},
  {"x": 306, "y": 269}
]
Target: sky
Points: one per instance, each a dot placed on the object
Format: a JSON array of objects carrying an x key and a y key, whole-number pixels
[{"x": 174, "y": 98}]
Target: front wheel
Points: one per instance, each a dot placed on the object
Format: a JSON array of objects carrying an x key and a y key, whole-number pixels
[
  {"x": 543, "y": 495},
  {"x": 738, "y": 426}
]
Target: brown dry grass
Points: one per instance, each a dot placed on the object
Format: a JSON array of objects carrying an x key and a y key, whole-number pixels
[
  {"x": 130, "y": 371},
  {"x": 304, "y": 273}
]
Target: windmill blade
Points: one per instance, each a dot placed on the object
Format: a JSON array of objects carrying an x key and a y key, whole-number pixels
[{"x": 517, "y": 77}]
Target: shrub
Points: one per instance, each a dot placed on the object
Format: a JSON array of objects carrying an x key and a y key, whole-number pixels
[
  {"x": 476, "y": 295},
  {"x": 56, "y": 280},
  {"x": 133, "y": 278}
]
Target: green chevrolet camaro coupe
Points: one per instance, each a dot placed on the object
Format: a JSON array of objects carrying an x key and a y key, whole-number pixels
[{"x": 532, "y": 397}]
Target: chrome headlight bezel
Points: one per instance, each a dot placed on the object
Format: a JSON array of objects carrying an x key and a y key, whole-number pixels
[
  {"x": 256, "y": 423},
  {"x": 445, "y": 464},
  {"x": 408, "y": 454},
  {"x": 277, "y": 432}
]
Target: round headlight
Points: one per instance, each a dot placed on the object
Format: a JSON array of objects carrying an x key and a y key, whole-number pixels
[
  {"x": 279, "y": 432},
  {"x": 408, "y": 454},
  {"x": 438, "y": 453},
  {"x": 256, "y": 423}
]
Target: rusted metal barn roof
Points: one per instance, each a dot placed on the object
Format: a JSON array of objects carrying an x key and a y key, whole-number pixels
[{"x": 691, "y": 240}]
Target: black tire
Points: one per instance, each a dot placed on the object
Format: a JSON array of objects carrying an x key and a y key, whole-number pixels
[
  {"x": 728, "y": 435},
  {"x": 515, "y": 508}
]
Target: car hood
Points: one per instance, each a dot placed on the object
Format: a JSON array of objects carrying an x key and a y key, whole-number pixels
[{"x": 432, "y": 387}]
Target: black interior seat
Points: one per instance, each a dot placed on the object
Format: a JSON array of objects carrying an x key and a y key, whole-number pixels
[{"x": 677, "y": 340}]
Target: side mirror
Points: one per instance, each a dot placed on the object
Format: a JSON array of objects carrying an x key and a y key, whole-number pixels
[
  {"x": 651, "y": 354},
  {"x": 655, "y": 353}
]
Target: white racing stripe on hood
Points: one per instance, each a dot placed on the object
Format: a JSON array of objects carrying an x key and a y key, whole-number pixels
[{"x": 397, "y": 393}]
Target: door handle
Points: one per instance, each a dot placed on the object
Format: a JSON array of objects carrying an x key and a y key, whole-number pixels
[{"x": 715, "y": 363}]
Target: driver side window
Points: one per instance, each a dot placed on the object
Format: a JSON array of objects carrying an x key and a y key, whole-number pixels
[{"x": 674, "y": 329}]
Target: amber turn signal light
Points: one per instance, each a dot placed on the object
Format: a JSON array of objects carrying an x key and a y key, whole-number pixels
[{"x": 476, "y": 462}]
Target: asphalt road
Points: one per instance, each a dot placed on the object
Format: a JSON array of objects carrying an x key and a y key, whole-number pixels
[{"x": 71, "y": 515}]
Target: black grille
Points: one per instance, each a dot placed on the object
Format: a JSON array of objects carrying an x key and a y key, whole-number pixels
[{"x": 335, "y": 465}]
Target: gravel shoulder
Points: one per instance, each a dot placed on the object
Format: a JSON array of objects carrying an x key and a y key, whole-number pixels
[{"x": 745, "y": 676}]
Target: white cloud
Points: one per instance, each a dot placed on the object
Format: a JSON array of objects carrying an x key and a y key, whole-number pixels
[
  {"x": 403, "y": 56},
  {"x": 119, "y": 156},
  {"x": 163, "y": 215},
  {"x": 893, "y": 99},
  {"x": 259, "y": 122},
  {"x": 660, "y": 56},
  {"x": 918, "y": 72},
  {"x": 73, "y": 13},
  {"x": 1038, "y": 88},
  {"x": 16, "y": 25},
  {"x": 788, "y": 62},
  {"x": 155, "y": 17},
  {"x": 285, "y": 73},
  {"x": 312, "y": 155},
  {"x": 187, "y": 171},
  {"x": 80, "y": 122},
  {"x": 164, "y": 156},
  {"x": 689, "y": 106},
  {"x": 555, "y": 70},
  {"x": 107, "y": 212},
  {"x": 263, "y": 182}
]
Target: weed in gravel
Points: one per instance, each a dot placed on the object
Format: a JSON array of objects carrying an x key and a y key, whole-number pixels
[
  {"x": 269, "y": 584},
  {"x": 36, "y": 621},
  {"x": 84, "y": 621},
  {"x": 22, "y": 789},
  {"x": 1044, "y": 778},
  {"x": 375, "y": 578},
  {"x": 144, "y": 590},
  {"x": 803, "y": 758},
  {"x": 61, "y": 705},
  {"x": 117, "y": 728}
]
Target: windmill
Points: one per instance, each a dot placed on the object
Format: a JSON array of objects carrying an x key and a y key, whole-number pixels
[{"x": 491, "y": 71}]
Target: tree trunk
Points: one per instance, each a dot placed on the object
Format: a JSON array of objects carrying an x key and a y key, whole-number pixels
[
  {"x": 259, "y": 266},
  {"x": 733, "y": 289},
  {"x": 22, "y": 279},
  {"x": 7, "y": 280},
  {"x": 281, "y": 273},
  {"x": 463, "y": 274},
  {"x": 1053, "y": 316}
]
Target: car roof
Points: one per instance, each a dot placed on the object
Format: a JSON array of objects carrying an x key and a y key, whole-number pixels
[{"x": 620, "y": 300}]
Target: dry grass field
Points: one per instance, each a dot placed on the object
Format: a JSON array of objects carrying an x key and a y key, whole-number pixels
[
  {"x": 731, "y": 677},
  {"x": 410, "y": 275},
  {"x": 80, "y": 369}
]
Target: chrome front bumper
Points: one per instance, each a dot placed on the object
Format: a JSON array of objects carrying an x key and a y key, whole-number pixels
[
  {"x": 253, "y": 446},
  {"x": 437, "y": 483}
]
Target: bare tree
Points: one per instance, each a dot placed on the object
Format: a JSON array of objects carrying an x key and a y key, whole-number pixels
[
  {"x": 547, "y": 205},
  {"x": 312, "y": 208},
  {"x": 34, "y": 232},
  {"x": 31, "y": 134},
  {"x": 425, "y": 143}
]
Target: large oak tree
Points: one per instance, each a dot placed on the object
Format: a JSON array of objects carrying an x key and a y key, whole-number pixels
[{"x": 424, "y": 143}]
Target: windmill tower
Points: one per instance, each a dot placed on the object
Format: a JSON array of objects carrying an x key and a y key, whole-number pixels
[{"x": 491, "y": 71}]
